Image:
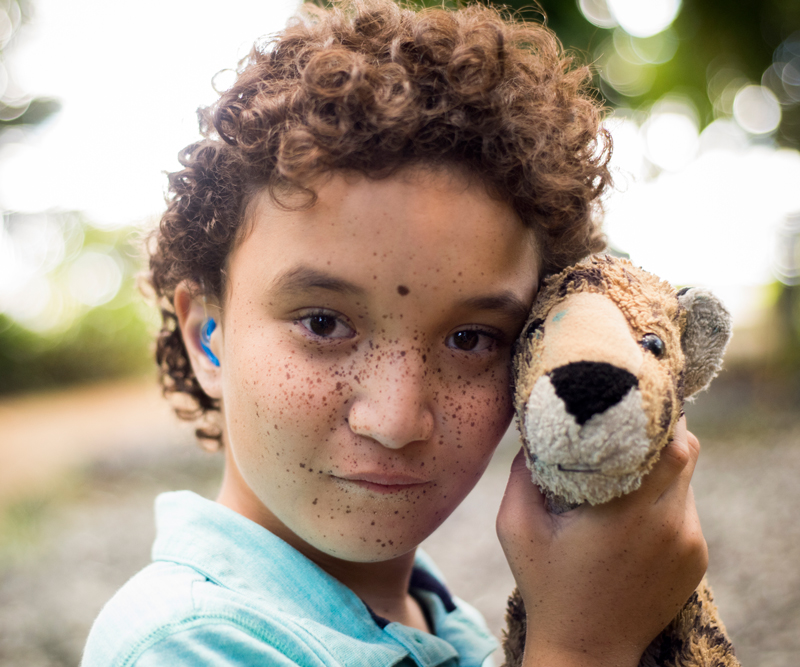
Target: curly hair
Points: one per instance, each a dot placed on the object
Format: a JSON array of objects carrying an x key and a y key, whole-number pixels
[{"x": 370, "y": 87}]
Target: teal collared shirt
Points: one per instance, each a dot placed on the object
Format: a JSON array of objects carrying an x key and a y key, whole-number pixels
[{"x": 222, "y": 590}]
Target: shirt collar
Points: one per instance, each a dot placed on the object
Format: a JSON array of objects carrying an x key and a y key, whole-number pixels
[{"x": 242, "y": 556}]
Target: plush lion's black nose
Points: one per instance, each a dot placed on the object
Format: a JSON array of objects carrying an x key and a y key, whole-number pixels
[{"x": 590, "y": 387}]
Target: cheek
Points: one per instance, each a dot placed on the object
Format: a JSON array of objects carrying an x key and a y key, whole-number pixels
[
  {"x": 269, "y": 396},
  {"x": 659, "y": 401},
  {"x": 475, "y": 415}
]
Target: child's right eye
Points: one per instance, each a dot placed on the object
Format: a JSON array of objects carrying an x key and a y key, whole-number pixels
[{"x": 325, "y": 325}]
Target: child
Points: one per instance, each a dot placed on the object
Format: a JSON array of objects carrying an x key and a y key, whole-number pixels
[{"x": 345, "y": 262}]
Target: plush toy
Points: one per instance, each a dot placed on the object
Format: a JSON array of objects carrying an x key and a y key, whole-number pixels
[{"x": 604, "y": 363}]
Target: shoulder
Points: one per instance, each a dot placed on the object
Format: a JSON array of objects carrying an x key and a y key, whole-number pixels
[{"x": 170, "y": 614}]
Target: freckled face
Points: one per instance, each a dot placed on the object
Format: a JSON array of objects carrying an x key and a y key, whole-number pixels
[{"x": 365, "y": 358}]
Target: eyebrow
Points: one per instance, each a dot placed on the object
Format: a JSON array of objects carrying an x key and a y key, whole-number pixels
[
  {"x": 303, "y": 278},
  {"x": 505, "y": 302}
]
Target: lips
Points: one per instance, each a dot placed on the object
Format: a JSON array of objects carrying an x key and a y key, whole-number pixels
[{"x": 383, "y": 483}]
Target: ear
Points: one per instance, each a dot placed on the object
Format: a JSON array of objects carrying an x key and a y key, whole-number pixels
[
  {"x": 707, "y": 332},
  {"x": 192, "y": 313}
]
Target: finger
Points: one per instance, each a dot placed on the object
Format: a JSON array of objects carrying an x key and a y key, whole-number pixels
[
  {"x": 690, "y": 447},
  {"x": 522, "y": 503},
  {"x": 674, "y": 459},
  {"x": 694, "y": 449}
]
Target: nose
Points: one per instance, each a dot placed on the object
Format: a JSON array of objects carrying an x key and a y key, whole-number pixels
[
  {"x": 392, "y": 405},
  {"x": 591, "y": 387}
]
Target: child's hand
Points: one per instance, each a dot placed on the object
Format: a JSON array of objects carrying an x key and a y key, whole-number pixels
[{"x": 599, "y": 583}]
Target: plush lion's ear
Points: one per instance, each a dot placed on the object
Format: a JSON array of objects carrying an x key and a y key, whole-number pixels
[{"x": 707, "y": 332}]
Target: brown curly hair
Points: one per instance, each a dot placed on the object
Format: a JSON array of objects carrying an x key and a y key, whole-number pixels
[{"x": 371, "y": 87}]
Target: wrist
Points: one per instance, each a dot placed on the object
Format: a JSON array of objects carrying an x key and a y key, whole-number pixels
[{"x": 544, "y": 653}]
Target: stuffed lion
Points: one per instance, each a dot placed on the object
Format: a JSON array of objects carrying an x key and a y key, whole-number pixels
[{"x": 604, "y": 363}]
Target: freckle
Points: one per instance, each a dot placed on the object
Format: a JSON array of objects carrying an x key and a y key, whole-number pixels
[
  {"x": 302, "y": 465},
  {"x": 402, "y": 290}
]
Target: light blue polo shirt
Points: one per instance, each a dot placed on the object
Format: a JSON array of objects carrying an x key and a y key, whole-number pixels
[{"x": 222, "y": 590}]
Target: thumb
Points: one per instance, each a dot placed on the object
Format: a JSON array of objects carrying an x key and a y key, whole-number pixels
[{"x": 522, "y": 501}]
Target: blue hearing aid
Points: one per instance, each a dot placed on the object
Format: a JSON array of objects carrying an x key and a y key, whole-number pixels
[{"x": 205, "y": 339}]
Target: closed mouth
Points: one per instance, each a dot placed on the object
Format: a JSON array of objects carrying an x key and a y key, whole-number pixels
[{"x": 383, "y": 483}]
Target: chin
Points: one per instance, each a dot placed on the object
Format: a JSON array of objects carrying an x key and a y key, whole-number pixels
[{"x": 367, "y": 546}]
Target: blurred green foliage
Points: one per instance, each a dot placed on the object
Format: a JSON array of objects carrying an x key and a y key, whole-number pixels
[
  {"x": 741, "y": 38},
  {"x": 712, "y": 35},
  {"x": 786, "y": 312},
  {"x": 84, "y": 342},
  {"x": 106, "y": 342}
]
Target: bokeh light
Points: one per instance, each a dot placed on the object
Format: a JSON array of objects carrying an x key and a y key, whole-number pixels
[
  {"x": 723, "y": 134},
  {"x": 644, "y": 18},
  {"x": 628, "y": 159},
  {"x": 95, "y": 277},
  {"x": 757, "y": 109},
  {"x": 597, "y": 13},
  {"x": 671, "y": 134},
  {"x": 626, "y": 77},
  {"x": 786, "y": 262},
  {"x": 657, "y": 49},
  {"x": 638, "y": 18},
  {"x": 8, "y": 22},
  {"x": 790, "y": 77}
]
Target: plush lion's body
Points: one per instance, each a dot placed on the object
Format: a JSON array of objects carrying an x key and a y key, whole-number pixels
[{"x": 604, "y": 364}]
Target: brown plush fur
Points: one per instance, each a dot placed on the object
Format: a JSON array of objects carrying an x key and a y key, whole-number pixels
[
  {"x": 695, "y": 637},
  {"x": 600, "y": 314}
]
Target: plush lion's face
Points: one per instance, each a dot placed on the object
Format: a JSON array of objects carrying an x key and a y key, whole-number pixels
[{"x": 601, "y": 377}]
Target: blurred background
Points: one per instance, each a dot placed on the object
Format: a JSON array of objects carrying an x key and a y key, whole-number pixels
[{"x": 96, "y": 99}]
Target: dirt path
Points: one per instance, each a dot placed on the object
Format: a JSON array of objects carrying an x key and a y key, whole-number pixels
[{"x": 44, "y": 435}]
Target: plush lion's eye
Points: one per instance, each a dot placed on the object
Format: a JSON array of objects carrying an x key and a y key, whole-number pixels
[{"x": 653, "y": 344}]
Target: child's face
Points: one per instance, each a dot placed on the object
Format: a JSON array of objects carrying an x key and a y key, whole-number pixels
[{"x": 364, "y": 352}]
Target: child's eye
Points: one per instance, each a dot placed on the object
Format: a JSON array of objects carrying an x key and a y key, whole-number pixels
[
  {"x": 471, "y": 340},
  {"x": 326, "y": 325}
]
